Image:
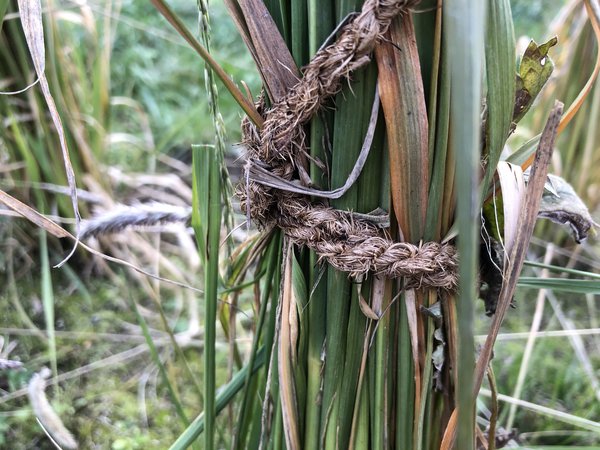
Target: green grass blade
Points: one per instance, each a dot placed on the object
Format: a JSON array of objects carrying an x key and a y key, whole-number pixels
[
  {"x": 464, "y": 21},
  {"x": 225, "y": 396},
  {"x": 299, "y": 26},
  {"x": 274, "y": 9},
  {"x": 48, "y": 301},
  {"x": 3, "y": 8},
  {"x": 284, "y": 10},
  {"x": 161, "y": 367},
  {"x": 439, "y": 122},
  {"x": 356, "y": 334},
  {"x": 211, "y": 296},
  {"x": 206, "y": 220},
  {"x": 351, "y": 120},
  {"x": 200, "y": 187},
  {"x": 381, "y": 365},
  {"x": 372, "y": 188},
  {"x": 405, "y": 395},
  {"x": 425, "y": 388},
  {"x": 246, "y": 409},
  {"x": 300, "y": 290},
  {"x": 561, "y": 284},
  {"x": 500, "y": 73},
  {"x": 554, "y": 413},
  {"x": 320, "y": 24},
  {"x": 559, "y": 269},
  {"x": 522, "y": 154}
]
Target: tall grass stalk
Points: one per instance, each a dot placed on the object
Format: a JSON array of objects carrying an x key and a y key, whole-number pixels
[
  {"x": 465, "y": 22},
  {"x": 207, "y": 227}
]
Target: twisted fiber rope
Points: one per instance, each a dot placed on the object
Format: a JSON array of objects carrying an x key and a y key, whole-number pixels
[{"x": 349, "y": 244}]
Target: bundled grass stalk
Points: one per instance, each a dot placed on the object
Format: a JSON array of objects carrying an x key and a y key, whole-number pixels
[{"x": 373, "y": 364}]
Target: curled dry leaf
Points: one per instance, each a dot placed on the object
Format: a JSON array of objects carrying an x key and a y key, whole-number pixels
[
  {"x": 535, "y": 69},
  {"x": 364, "y": 306},
  {"x": 438, "y": 359},
  {"x": 565, "y": 207}
]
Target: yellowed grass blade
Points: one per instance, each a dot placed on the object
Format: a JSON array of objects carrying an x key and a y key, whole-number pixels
[
  {"x": 285, "y": 353},
  {"x": 403, "y": 102},
  {"x": 33, "y": 216}
]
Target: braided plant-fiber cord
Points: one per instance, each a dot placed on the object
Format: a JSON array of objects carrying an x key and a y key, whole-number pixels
[{"x": 349, "y": 243}]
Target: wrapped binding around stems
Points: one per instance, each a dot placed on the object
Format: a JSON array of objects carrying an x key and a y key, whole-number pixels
[{"x": 348, "y": 243}]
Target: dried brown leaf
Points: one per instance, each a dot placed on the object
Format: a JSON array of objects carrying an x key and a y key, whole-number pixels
[
  {"x": 33, "y": 216},
  {"x": 526, "y": 223},
  {"x": 31, "y": 20},
  {"x": 274, "y": 60},
  {"x": 403, "y": 101}
]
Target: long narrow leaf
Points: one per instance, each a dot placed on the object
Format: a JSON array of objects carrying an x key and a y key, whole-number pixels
[
  {"x": 30, "y": 12},
  {"x": 208, "y": 229},
  {"x": 571, "y": 419},
  {"x": 562, "y": 269},
  {"x": 465, "y": 22},
  {"x": 48, "y": 301},
  {"x": 500, "y": 73},
  {"x": 161, "y": 367},
  {"x": 223, "y": 399},
  {"x": 403, "y": 102},
  {"x": 561, "y": 284}
]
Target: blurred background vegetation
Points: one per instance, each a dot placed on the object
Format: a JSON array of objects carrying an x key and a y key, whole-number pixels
[{"x": 133, "y": 100}]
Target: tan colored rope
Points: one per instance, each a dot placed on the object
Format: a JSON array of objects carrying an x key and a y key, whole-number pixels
[{"x": 348, "y": 243}]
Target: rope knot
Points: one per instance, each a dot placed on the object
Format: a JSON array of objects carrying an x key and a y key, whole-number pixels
[{"x": 349, "y": 242}]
